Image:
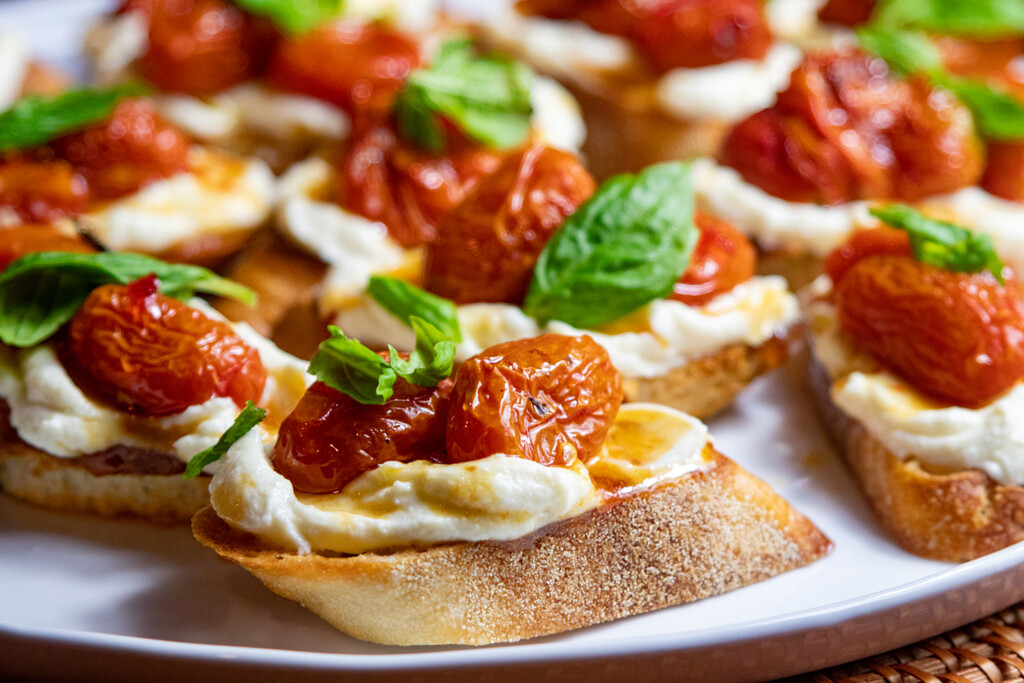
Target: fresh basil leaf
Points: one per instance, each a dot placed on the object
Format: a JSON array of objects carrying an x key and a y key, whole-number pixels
[
  {"x": 250, "y": 416},
  {"x": 623, "y": 248},
  {"x": 347, "y": 366},
  {"x": 943, "y": 244},
  {"x": 432, "y": 359},
  {"x": 997, "y": 115},
  {"x": 978, "y": 18},
  {"x": 35, "y": 120},
  {"x": 487, "y": 97},
  {"x": 403, "y": 300},
  {"x": 907, "y": 52},
  {"x": 294, "y": 16},
  {"x": 40, "y": 292}
]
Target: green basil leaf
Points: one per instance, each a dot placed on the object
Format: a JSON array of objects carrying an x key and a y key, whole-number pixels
[
  {"x": 487, "y": 97},
  {"x": 294, "y": 16},
  {"x": 250, "y": 416},
  {"x": 623, "y": 248},
  {"x": 347, "y": 366},
  {"x": 943, "y": 244},
  {"x": 403, "y": 300},
  {"x": 40, "y": 292},
  {"x": 978, "y": 18},
  {"x": 907, "y": 52},
  {"x": 35, "y": 120},
  {"x": 432, "y": 359},
  {"x": 997, "y": 115}
]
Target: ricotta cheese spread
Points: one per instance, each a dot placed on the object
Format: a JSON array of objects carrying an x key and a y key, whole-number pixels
[
  {"x": 14, "y": 58},
  {"x": 218, "y": 195},
  {"x": 497, "y": 498},
  {"x": 908, "y": 424},
  {"x": 50, "y": 412},
  {"x": 662, "y": 336},
  {"x": 574, "y": 52}
]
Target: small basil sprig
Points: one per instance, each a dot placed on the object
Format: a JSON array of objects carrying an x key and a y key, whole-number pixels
[
  {"x": 40, "y": 292},
  {"x": 250, "y": 416},
  {"x": 487, "y": 97},
  {"x": 623, "y": 248},
  {"x": 294, "y": 16},
  {"x": 35, "y": 120},
  {"x": 998, "y": 115},
  {"x": 347, "y": 366},
  {"x": 404, "y": 301},
  {"x": 943, "y": 244},
  {"x": 978, "y": 18}
]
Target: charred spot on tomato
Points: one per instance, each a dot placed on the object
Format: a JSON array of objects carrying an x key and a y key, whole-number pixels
[
  {"x": 864, "y": 243},
  {"x": 407, "y": 189},
  {"x": 151, "y": 355},
  {"x": 330, "y": 438},
  {"x": 42, "y": 191},
  {"x": 722, "y": 259},
  {"x": 958, "y": 338},
  {"x": 496, "y": 394},
  {"x": 134, "y": 147},
  {"x": 488, "y": 245},
  {"x": 358, "y": 67},
  {"x": 18, "y": 240},
  {"x": 201, "y": 47}
]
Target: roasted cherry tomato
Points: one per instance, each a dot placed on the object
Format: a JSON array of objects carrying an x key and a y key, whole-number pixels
[
  {"x": 355, "y": 66},
  {"x": 201, "y": 47},
  {"x": 487, "y": 245},
  {"x": 846, "y": 12},
  {"x": 19, "y": 240},
  {"x": 550, "y": 399},
  {"x": 42, "y": 191},
  {"x": 153, "y": 355},
  {"x": 864, "y": 243},
  {"x": 406, "y": 189},
  {"x": 995, "y": 61},
  {"x": 847, "y": 129},
  {"x": 330, "y": 438},
  {"x": 672, "y": 34},
  {"x": 135, "y": 147},
  {"x": 722, "y": 259},
  {"x": 956, "y": 337},
  {"x": 1004, "y": 173}
]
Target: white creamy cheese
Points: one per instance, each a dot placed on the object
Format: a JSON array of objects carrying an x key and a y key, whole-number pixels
[
  {"x": 574, "y": 52},
  {"x": 497, "y": 498},
  {"x": 793, "y": 19},
  {"x": 556, "y": 118},
  {"x": 668, "y": 334},
  {"x": 50, "y": 412},
  {"x": 218, "y": 195},
  {"x": 990, "y": 438},
  {"x": 411, "y": 16},
  {"x": 14, "y": 56},
  {"x": 114, "y": 43}
]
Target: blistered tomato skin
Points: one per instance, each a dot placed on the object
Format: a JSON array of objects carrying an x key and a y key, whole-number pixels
[
  {"x": 958, "y": 338},
  {"x": 358, "y": 67},
  {"x": 330, "y": 438},
  {"x": 488, "y": 245},
  {"x": 865, "y": 243},
  {"x": 152, "y": 355},
  {"x": 201, "y": 47},
  {"x": 19, "y": 240},
  {"x": 1004, "y": 174},
  {"x": 406, "y": 189},
  {"x": 550, "y": 399},
  {"x": 722, "y": 259},
  {"x": 135, "y": 147},
  {"x": 42, "y": 191}
]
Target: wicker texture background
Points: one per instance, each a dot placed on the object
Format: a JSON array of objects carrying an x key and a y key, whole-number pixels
[{"x": 988, "y": 651}]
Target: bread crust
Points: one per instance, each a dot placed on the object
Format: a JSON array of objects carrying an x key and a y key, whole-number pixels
[
  {"x": 36, "y": 477},
  {"x": 690, "y": 538},
  {"x": 707, "y": 385},
  {"x": 952, "y": 516}
]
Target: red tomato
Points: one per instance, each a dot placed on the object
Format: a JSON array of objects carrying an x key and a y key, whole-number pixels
[
  {"x": 1004, "y": 174},
  {"x": 722, "y": 259},
  {"x": 846, "y": 12},
  {"x": 19, "y": 240},
  {"x": 42, "y": 191},
  {"x": 864, "y": 243}
]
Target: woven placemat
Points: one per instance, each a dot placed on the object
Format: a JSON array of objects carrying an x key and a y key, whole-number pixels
[{"x": 990, "y": 650}]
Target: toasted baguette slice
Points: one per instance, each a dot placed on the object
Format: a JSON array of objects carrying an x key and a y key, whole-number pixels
[
  {"x": 952, "y": 516},
  {"x": 60, "y": 484},
  {"x": 689, "y": 538},
  {"x": 707, "y": 385}
]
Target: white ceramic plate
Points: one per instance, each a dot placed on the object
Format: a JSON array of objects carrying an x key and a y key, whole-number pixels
[{"x": 114, "y": 595}]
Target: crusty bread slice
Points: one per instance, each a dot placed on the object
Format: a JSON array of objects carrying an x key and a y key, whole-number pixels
[
  {"x": 952, "y": 516},
  {"x": 707, "y": 385},
  {"x": 800, "y": 268},
  {"x": 60, "y": 484},
  {"x": 689, "y": 538}
]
